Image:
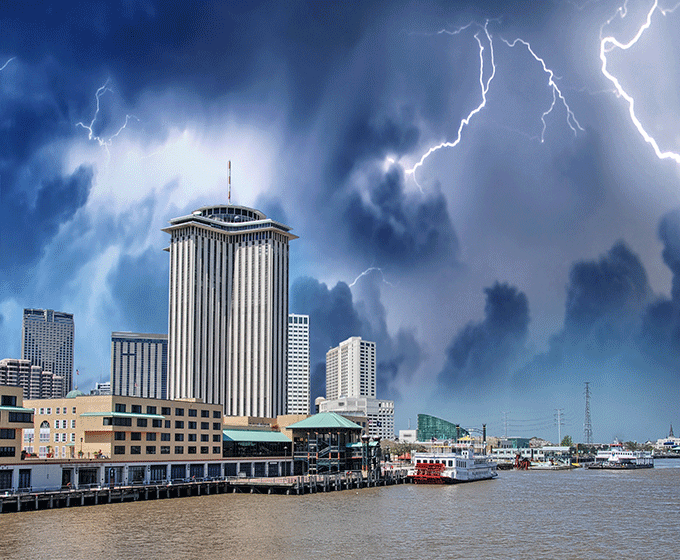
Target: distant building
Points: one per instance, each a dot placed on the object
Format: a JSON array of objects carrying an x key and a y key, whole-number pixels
[
  {"x": 139, "y": 365},
  {"x": 408, "y": 436},
  {"x": 36, "y": 383},
  {"x": 350, "y": 369},
  {"x": 431, "y": 427},
  {"x": 298, "y": 393},
  {"x": 379, "y": 414},
  {"x": 228, "y": 309},
  {"x": 101, "y": 388},
  {"x": 47, "y": 341}
]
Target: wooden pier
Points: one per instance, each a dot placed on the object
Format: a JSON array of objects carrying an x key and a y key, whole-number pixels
[{"x": 31, "y": 500}]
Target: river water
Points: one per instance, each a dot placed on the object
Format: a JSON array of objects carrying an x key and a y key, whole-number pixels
[{"x": 521, "y": 515}]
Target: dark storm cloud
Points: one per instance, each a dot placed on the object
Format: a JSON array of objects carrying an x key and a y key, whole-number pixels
[
  {"x": 487, "y": 350},
  {"x": 139, "y": 286},
  {"x": 334, "y": 316},
  {"x": 400, "y": 228},
  {"x": 28, "y": 225}
]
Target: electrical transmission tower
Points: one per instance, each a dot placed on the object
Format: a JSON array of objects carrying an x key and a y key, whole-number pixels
[
  {"x": 505, "y": 424},
  {"x": 560, "y": 422},
  {"x": 587, "y": 426}
]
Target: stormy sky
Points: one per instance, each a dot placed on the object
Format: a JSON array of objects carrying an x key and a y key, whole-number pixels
[{"x": 489, "y": 190}]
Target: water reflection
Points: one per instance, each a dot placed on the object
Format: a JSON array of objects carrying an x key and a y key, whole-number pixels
[{"x": 523, "y": 515}]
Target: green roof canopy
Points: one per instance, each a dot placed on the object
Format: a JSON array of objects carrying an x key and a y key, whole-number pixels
[
  {"x": 16, "y": 409},
  {"x": 324, "y": 421},
  {"x": 254, "y": 435}
]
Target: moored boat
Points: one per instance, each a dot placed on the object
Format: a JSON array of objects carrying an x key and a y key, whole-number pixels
[
  {"x": 451, "y": 466},
  {"x": 616, "y": 457}
]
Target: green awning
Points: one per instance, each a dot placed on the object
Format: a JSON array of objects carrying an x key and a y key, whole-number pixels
[
  {"x": 16, "y": 409},
  {"x": 324, "y": 421},
  {"x": 254, "y": 436},
  {"x": 124, "y": 415}
]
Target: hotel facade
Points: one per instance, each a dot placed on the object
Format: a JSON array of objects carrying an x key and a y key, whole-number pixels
[
  {"x": 139, "y": 365},
  {"x": 228, "y": 310},
  {"x": 298, "y": 364}
]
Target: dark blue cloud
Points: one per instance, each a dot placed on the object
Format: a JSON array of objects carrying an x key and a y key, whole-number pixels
[
  {"x": 28, "y": 225},
  {"x": 487, "y": 350}
]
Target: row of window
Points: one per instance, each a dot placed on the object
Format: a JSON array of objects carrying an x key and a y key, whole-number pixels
[
  {"x": 165, "y": 410},
  {"x": 8, "y": 433},
  {"x": 164, "y": 450},
  {"x": 7, "y": 451},
  {"x": 57, "y": 410},
  {"x": 63, "y": 424},
  {"x": 151, "y": 436}
]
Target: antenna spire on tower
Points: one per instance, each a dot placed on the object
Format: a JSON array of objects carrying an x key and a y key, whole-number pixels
[{"x": 229, "y": 173}]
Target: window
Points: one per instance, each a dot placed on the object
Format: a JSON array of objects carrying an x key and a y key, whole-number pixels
[
  {"x": 216, "y": 449},
  {"x": 150, "y": 436},
  {"x": 167, "y": 424},
  {"x": 216, "y": 414},
  {"x": 179, "y": 424},
  {"x": 157, "y": 423},
  {"x": 7, "y": 433},
  {"x": 205, "y": 425},
  {"x": 141, "y": 422},
  {"x": 57, "y": 410},
  {"x": 74, "y": 410},
  {"x": 73, "y": 424},
  {"x": 216, "y": 425},
  {"x": 136, "y": 408},
  {"x": 165, "y": 436},
  {"x": 205, "y": 414},
  {"x": 73, "y": 437},
  {"x": 119, "y": 436},
  {"x": 150, "y": 449},
  {"x": 179, "y": 437},
  {"x": 179, "y": 449},
  {"x": 192, "y": 425},
  {"x": 205, "y": 437},
  {"x": 151, "y": 410},
  {"x": 191, "y": 449},
  {"x": 166, "y": 411},
  {"x": 135, "y": 449},
  {"x": 179, "y": 412},
  {"x": 193, "y": 412},
  {"x": 120, "y": 407},
  {"x": 216, "y": 438},
  {"x": 49, "y": 411},
  {"x": 119, "y": 450},
  {"x": 56, "y": 437},
  {"x": 9, "y": 400},
  {"x": 192, "y": 437},
  {"x": 20, "y": 417},
  {"x": 42, "y": 411},
  {"x": 165, "y": 449},
  {"x": 136, "y": 436},
  {"x": 204, "y": 449}
]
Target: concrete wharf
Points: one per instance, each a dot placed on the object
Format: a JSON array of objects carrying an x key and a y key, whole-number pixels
[{"x": 32, "y": 500}]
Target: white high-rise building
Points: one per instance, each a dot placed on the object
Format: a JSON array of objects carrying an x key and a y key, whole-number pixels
[
  {"x": 47, "y": 341},
  {"x": 228, "y": 309},
  {"x": 298, "y": 364},
  {"x": 139, "y": 365},
  {"x": 350, "y": 369},
  {"x": 36, "y": 383}
]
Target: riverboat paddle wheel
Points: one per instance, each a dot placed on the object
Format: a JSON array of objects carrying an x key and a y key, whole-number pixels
[{"x": 428, "y": 473}]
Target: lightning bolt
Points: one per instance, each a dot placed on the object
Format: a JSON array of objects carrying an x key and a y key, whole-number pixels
[
  {"x": 557, "y": 93},
  {"x": 104, "y": 142},
  {"x": 484, "y": 86},
  {"x": 6, "y": 63},
  {"x": 608, "y": 44},
  {"x": 369, "y": 270}
]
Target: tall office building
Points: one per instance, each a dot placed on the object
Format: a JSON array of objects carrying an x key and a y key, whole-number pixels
[
  {"x": 47, "y": 341},
  {"x": 228, "y": 309},
  {"x": 139, "y": 365},
  {"x": 350, "y": 369},
  {"x": 298, "y": 364}
]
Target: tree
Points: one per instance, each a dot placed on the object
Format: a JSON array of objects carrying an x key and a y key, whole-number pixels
[{"x": 567, "y": 441}]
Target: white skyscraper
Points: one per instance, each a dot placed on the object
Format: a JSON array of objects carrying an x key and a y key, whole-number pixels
[
  {"x": 298, "y": 364},
  {"x": 47, "y": 341},
  {"x": 139, "y": 365},
  {"x": 350, "y": 369},
  {"x": 228, "y": 309}
]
